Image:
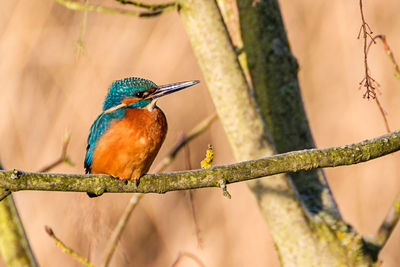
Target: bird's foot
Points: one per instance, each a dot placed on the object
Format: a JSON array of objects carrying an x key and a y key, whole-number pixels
[
  {"x": 123, "y": 179},
  {"x": 137, "y": 180}
]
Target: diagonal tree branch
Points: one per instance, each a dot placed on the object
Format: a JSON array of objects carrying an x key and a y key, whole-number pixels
[
  {"x": 63, "y": 158},
  {"x": 119, "y": 229},
  {"x": 247, "y": 170},
  {"x": 102, "y": 9},
  {"x": 147, "y": 6},
  {"x": 67, "y": 249},
  {"x": 14, "y": 245},
  {"x": 388, "y": 51},
  {"x": 388, "y": 224}
]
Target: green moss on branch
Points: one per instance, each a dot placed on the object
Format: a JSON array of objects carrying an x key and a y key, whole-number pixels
[
  {"x": 164, "y": 182},
  {"x": 14, "y": 247}
]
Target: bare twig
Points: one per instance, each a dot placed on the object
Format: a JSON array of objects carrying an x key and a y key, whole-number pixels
[
  {"x": 80, "y": 45},
  {"x": 188, "y": 255},
  {"x": 63, "y": 157},
  {"x": 190, "y": 194},
  {"x": 118, "y": 230},
  {"x": 116, "y": 235},
  {"x": 369, "y": 83},
  {"x": 388, "y": 51},
  {"x": 65, "y": 248},
  {"x": 390, "y": 221},
  {"x": 195, "y": 220},
  {"x": 148, "y": 6},
  {"x": 102, "y": 9},
  {"x": 186, "y": 152},
  {"x": 383, "y": 113}
]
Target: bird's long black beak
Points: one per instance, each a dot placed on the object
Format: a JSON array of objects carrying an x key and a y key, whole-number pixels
[{"x": 163, "y": 90}]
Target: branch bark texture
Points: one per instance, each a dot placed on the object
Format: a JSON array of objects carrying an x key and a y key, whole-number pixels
[
  {"x": 164, "y": 182},
  {"x": 14, "y": 247},
  {"x": 274, "y": 74},
  {"x": 291, "y": 225}
]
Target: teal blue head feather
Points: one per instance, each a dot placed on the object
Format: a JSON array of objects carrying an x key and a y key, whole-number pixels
[{"x": 126, "y": 88}]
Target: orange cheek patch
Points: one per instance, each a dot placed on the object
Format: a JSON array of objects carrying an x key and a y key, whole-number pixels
[
  {"x": 149, "y": 93},
  {"x": 130, "y": 100}
]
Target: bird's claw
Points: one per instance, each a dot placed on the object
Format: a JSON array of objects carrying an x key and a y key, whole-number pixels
[{"x": 123, "y": 179}]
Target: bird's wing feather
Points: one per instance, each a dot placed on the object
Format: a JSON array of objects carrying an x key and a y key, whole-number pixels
[{"x": 98, "y": 127}]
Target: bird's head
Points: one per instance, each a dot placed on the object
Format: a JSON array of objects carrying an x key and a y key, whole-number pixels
[{"x": 138, "y": 92}]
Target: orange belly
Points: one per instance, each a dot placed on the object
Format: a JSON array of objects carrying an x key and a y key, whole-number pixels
[{"x": 129, "y": 146}]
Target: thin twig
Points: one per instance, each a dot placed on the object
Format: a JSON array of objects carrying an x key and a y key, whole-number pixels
[
  {"x": 62, "y": 159},
  {"x": 390, "y": 221},
  {"x": 198, "y": 129},
  {"x": 383, "y": 113},
  {"x": 388, "y": 51},
  {"x": 66, "y": 249},
  {"x": 118, "y": 230},
  {"x": 186, "y": 153},
  {"x": 368, "y": 82},
  {"x": 295, "y": 161},
  {"x": 190, "y": 194},
  {"x": 147, "y": 6},
  {"x": 80, "y": 45},
  {"x": 102, "y": 9},
  {"x": 195, "y": 221},
  {"x": 188, "y": 255},
  {"x": 63, "y": 156}
]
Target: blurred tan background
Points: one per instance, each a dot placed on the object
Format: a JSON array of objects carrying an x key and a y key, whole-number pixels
[{"x": 47, "y": 88}]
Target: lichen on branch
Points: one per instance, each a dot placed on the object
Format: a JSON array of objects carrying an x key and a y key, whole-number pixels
[{"x": 247, "y": 170}]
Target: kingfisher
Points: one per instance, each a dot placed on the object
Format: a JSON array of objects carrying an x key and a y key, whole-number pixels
[{"x": 125, "y": 138}]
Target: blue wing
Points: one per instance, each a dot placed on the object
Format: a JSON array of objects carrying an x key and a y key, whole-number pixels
[{"x": 99, "y": 126}]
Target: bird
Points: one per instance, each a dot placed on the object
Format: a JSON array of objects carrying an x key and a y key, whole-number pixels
[{"x": 125, "y": 138}]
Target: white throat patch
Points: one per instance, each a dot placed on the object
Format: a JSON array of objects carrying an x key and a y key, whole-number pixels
[{"x": 152, "y": 105}]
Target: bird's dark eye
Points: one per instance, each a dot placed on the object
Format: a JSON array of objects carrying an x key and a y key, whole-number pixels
[{"x": 139, "y": 94}]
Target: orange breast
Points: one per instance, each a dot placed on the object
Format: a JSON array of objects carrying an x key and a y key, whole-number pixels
[{"x": 129, "y": 146}]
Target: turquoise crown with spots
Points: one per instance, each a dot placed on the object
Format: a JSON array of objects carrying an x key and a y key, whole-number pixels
[{"x": 121, "y": 89}]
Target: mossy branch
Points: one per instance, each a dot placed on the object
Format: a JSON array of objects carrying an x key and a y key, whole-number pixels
[
  {"x": 67, "y": 249},
  {"x": 14, "y": 245},
  {"x": 147, "y": 6},
  {"x": 388, "y": 224},
  {"x": 102, "y": 9},
  {"x": 247, "y": 170}
]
